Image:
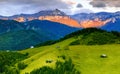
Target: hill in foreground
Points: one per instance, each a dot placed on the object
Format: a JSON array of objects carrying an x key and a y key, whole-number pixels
[
  {"x": 89, "y": 36},
  {"x": 86, "y": 58}
]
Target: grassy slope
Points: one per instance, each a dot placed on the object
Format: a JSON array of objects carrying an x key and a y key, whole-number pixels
[
  {"x": 86, "y": 58},
  {"x": 38, "y": 56}
]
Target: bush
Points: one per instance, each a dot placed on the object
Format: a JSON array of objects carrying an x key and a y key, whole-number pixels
[
  {"x": 62, "y": 56},
  {"x": 43, "y": 70},
  {"x": 9, "y": 59},
  {"x": 77, "y": 42},
  {"x": 12, "y": 71},
  {"x": 22, "y": 65},
  {"x": 66, "y": 48},
  {"x": 66, "y": 67},
  {"x": 26, "y": 54}
]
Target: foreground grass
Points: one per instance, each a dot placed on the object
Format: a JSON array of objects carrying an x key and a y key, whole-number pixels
[
  {"x": 86, "y": 58},
  {"x": 38, "y": 56}
]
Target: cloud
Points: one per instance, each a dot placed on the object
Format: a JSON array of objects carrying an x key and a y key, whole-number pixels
[
  {"x": 84, "y": 11},
  {"x": 70, "y": 2},
  {"x": 105, "y": 3},
  {"x": 79, "y": 5},
  {"x": 41, "y": 3},
  {"x": 98, "y": 4},
  {"x": 11, "y": 7}
]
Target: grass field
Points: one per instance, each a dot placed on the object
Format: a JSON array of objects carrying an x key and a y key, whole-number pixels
[{"x": 86, "y": 58}]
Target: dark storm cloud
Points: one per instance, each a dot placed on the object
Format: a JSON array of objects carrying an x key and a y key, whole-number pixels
[
  {"x": 104, "y": 3},
  {"x": 42, "y": 3},
  {"x": 29, "y": 6},
  {"x": 98, "y": 4},
  {"x": 79, "y": 5}
]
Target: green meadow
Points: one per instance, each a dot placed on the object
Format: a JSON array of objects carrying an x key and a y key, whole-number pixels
[{"x": 86, "y": 58}]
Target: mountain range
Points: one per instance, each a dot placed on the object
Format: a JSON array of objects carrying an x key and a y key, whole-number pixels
[
  {"x": 50, "y": 25},
  {"x": 105, "y": 20},
  {"x": 81, "y": 20}
]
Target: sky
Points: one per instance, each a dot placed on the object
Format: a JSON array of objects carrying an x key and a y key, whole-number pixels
[{"x": 14, "y": 7}]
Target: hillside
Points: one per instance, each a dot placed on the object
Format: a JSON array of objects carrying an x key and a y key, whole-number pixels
[
  {"x": 86, "y": 58},
  {"x": 15, "y": 35},
  {"x": 20, "y": 40},
  {"x": 52, "y": 29},
  {"x": 7, "y": 66},
  {"x": 10, "y": 26},
  {"x": 83, "y": 56},
  {"x": 89, "y": 36},
  {"x": 97, "y": 38},
  {"x": 112, "y": 26}
]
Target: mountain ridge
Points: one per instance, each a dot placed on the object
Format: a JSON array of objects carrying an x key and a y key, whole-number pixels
[{"x": 81, "y": 20}]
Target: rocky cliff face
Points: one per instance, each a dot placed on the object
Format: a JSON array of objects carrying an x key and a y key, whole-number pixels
[
  {"x": 67, "y": 21},
  {"x": 78, "y": 20},
  {"x": 94, "y": 23},
  {"x": 61, "y": 19}
]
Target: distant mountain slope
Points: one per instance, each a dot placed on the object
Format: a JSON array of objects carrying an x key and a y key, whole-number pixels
[
  {"x": 15, "y": 35},
  {"x": 52, "y": 29},
  {"x": 105, "y": 20},
  {"x": 112, "y": 26},
  {"x": 66, "y": 20},
  {"x": 20, "y": 40},
  {"x": 94, "y": 23},
  {"x": 91, "y": 16},
  {"x": 9, "y": 26}
]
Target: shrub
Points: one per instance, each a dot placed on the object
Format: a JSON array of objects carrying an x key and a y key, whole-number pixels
[
  {"x": 66, "y": 48},
  {"x": 12, "y": 71},
  {"x": 63, "y": 57},
  {"x": 9, "y": 59},
  {"x": 26, "y": 54},
  {"x": 77, "y": 42},
  {"x": 66, "y": 67},
  {"x": 22, "y": 65}
]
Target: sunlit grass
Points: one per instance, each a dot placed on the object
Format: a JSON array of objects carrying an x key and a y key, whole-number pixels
[{"x": 86, "y": 58}]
